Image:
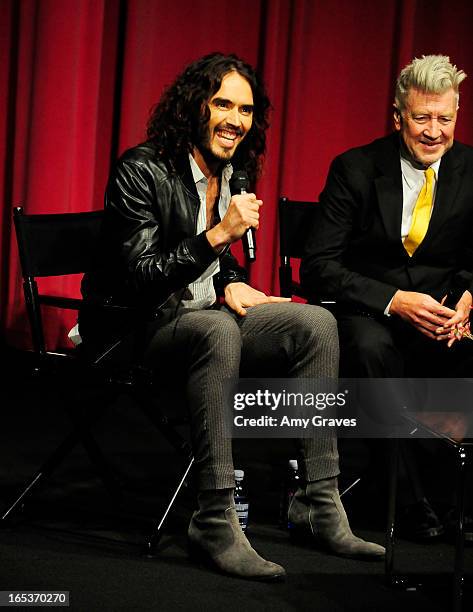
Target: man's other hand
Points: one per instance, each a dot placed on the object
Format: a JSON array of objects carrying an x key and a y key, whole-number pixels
[
  {"x": 239, "y": 296},
  {"x": 422, "y": 311},
  {"x": 452, "y": 329}
]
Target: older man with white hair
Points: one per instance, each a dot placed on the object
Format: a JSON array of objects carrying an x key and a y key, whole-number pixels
[{"x": 394, "y": 247}]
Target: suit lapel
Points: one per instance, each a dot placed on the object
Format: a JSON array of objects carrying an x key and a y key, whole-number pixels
[
  {"x": 449, "y": 181},
  {"x": 389, "y": 186},
  {"x": 389, "y": 190}
]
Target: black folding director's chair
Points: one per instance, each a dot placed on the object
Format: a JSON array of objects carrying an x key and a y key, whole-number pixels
[{"x": 58, "y": 245}]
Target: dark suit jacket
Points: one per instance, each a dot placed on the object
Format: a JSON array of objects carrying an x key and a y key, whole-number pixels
[{"x": 355, "y": 254}]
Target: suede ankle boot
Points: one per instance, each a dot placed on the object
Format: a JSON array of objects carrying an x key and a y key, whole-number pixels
[
  {"x": 215, "y": 536},
  {"x": 318, "y": 509}
]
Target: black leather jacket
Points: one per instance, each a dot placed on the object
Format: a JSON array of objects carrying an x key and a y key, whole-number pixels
[{"x": 149, "y": 251}]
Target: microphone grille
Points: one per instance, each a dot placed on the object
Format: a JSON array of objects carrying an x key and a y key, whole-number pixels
[{"x": 239, "y": 181}]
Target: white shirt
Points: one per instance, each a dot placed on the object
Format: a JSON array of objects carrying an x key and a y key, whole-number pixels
[{"x": 202, "y": 289}]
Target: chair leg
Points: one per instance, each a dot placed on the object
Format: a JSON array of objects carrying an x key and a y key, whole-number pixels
[
  {"x": 96, "y": 457},
  {"x": 79, "y": 435},
  {"x": 98, "y": 461},
  {"x": 458, "y": 578},
  {"x": 64, "y": 449},
  {"x": 163, "y": 425},
  {"x": 151, "y": 545},
  {"x": 350, "y": 487},
  {"x": 390, "y": 528}
]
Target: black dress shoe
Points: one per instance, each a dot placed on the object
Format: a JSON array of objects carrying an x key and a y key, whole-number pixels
[{"x": 419, "y": 522}]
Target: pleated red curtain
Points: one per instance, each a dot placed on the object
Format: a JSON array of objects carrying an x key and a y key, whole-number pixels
[{"x": 78, "y": 79}]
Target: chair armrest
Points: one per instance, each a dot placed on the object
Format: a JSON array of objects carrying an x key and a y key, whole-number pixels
[
  {"x": 60, "y": 302},
  {"x": 76, "y": 303}
]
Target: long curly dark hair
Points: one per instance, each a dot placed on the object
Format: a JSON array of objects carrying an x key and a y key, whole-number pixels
[{"x": 177, "y": 120}]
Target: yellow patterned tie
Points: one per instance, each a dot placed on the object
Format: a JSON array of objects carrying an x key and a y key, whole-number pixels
[{"x": 421, "y": 214}]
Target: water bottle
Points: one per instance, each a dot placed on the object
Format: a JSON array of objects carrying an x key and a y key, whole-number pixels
[
  {"x": 291, "y": 485},
  {"x": 241, "y": 499}
]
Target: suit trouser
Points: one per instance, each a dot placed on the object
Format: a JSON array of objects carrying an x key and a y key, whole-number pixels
[
  {"x": 389, "y": 348},
  {"x": 211, "y": 346}
]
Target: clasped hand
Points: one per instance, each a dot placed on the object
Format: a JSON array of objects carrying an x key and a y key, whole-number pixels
[{"x": 433, "y": 318}]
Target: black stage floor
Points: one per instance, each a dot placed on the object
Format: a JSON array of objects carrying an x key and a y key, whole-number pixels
[{"x": 72, "y": 536}]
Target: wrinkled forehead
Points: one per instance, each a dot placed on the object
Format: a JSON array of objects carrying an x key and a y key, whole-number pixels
[{"x": 427, "y": 101}]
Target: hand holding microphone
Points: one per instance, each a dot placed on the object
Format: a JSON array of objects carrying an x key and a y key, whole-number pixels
[{"x": 241, "y": 217}]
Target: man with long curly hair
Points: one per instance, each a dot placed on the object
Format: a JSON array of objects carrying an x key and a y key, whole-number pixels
[{"x": 170, "y": 219}]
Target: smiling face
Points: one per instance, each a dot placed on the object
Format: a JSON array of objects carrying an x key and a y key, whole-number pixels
[
  {"x": 427, "y": 124},
  {"x": 231, "y": 118}
]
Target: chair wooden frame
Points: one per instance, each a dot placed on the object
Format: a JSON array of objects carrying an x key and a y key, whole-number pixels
[{"x": 59, "y": 245}]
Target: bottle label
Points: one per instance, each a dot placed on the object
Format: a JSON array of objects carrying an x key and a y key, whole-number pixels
[{"x": 241, "y": 508}]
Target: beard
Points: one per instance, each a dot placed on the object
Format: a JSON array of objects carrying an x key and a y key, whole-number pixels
[{"x": 213, "y": 154}]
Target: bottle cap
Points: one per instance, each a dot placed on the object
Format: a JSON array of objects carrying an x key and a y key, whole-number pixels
[
  {"x": 293, "y": 464},
  {"x": 239, "y": 474}
]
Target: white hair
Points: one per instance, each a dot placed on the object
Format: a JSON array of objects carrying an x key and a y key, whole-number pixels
[{"x": 431, "y": 74}]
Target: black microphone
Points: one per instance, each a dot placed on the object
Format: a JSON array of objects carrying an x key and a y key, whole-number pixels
[{"x": 239, "y": 184}]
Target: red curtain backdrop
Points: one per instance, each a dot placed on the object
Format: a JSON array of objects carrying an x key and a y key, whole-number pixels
[{"x": 78, "y": 80}]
